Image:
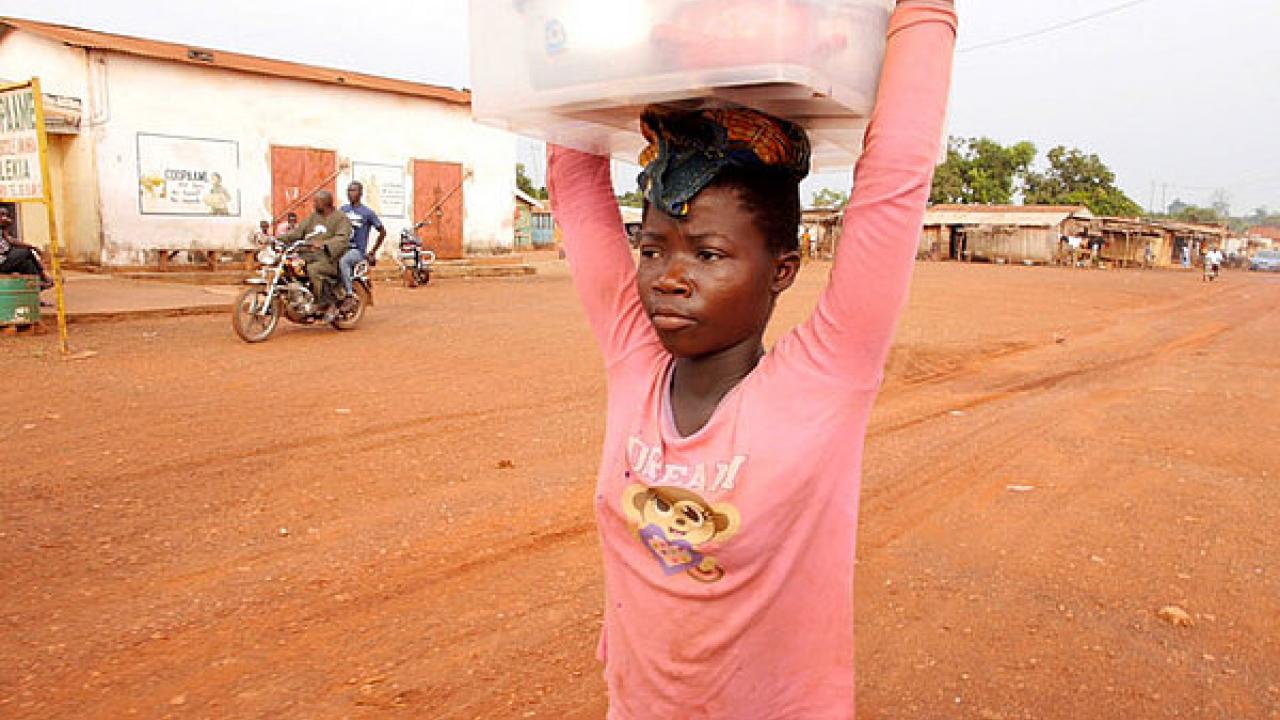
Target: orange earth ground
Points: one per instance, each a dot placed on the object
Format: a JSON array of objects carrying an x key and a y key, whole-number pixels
[{"x": 326, "y": 526}]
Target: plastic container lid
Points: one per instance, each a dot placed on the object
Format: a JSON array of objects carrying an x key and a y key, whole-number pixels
[{"x": 579, "y": 72}]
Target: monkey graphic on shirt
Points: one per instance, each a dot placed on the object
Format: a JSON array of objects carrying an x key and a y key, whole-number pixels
[{"x": 673, "y": 523}]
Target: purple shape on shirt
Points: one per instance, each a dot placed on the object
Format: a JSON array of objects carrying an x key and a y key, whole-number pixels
[{"x": 675, "y": 556}]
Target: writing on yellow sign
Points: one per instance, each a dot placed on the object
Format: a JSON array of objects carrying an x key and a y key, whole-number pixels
[
  {"x": 18, "y": 145},
  {"x": 18, "y": 111},
  {"x": 20, "y": 173}
]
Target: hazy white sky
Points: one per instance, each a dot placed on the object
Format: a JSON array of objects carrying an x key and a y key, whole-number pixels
[{"x": 1179, "y": 95}]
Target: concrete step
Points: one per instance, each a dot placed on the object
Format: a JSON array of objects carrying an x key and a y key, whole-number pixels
[
  {"x": 187, "y": 277},
  {"x": 384, "y": 270},
  {"x": 450, "y": 270}
]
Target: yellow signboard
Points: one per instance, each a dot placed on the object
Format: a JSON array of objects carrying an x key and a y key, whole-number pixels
[
  {"x": 24, "y": 171},
  {"x": 20, "y": 132}
]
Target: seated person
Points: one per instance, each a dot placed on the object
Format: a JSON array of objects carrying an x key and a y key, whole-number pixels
[{"x": 17, "y": 257}]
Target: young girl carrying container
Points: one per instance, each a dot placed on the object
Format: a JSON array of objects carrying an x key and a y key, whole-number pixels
[{"x": 727, "y": 499}]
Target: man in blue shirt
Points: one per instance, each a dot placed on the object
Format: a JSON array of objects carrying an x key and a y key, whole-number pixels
[{"x": 362, "y": 221}]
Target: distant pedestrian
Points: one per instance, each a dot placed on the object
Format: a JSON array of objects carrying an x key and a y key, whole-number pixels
[
  {"x": 811, "y": 243},
  {"x": 1148, "y": 256},
  {"x": 1095, "y": 250},
  {"x": 1212, "y": 264},
  {"x": 1186, "y": 256},
  {"x": 1074, "y": 243},
  {"x": 262, "y": 236}
]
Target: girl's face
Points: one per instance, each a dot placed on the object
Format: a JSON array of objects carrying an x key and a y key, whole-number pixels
[{"x": 708, "y": 281}]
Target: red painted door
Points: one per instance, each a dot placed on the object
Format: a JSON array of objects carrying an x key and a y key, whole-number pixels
[
  {"x": 437, "y": 196},
  {"x": 296, "y": 174}
]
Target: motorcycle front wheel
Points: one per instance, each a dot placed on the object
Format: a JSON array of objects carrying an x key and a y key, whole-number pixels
[
  {"x": 348, "y": 320},
  {"x": 423, "y": 275},
  {"x": 247, "y": 318},
  {"x": 410, "y": 278}
]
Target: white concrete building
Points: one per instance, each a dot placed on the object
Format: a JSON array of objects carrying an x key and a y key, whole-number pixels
[{"x": 157, "y": 146}]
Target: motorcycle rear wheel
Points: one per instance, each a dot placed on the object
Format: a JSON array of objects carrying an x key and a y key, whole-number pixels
[
  {"x": 423, "y": 275},
  {"x": 251, "y": 326},
  {"x": 348, "y": 321}
]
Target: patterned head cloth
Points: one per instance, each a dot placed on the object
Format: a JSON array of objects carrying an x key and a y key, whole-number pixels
[{"x": 688, "y": 148}]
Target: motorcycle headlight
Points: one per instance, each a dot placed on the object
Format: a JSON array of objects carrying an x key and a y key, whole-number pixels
[{"x": 267, "y": 256}]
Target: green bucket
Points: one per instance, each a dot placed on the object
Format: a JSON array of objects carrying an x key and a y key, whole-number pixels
[{"x": 19, "y": 300}]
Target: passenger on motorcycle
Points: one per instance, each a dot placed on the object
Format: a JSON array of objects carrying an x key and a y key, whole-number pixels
[
  {"x": 362, "y": 220},
  {"x": 328, "y": 235}
]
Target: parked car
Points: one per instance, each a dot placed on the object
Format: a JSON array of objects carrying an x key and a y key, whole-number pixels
[{"x": 1265, "y": 261}]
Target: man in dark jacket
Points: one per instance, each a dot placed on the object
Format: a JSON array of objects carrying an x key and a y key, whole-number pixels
[{"x": 328, "y": 234}]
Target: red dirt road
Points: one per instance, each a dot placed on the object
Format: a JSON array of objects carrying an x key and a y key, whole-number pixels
[{"x": 323, "y": 526}]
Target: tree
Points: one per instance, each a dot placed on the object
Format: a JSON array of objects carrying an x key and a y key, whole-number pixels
[
  {"x": 631, "y": 198},
  {"x": 828, "y": 198},
  {"x": 525, "y": 184},
  {"x": 1076, "y": 178},
  {"x": 1196, "y": 214},
  {"x": 981, "y": 170},
  {"x": 1260, "y": 217},
  {"x": 1186, "y": 212}
]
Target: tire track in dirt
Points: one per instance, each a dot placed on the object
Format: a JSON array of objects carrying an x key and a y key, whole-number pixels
[
  {"x": 913, "y": 370},
  {"x": 1052, "y": 380},
  {"x": 1063, "y": 584},
  {"x": 924, "y": 486},
  {"x": 381, "y": 435},
  {"x": 1102, "y": 340}
]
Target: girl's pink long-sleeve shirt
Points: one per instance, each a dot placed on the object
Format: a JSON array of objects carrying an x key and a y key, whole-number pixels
[{"x": 729, "y": 554}]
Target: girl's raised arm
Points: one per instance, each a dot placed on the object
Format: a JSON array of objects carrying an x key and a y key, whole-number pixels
[
  {"x": 596, "y": 246},
  {"x": 848, "y": 337}
]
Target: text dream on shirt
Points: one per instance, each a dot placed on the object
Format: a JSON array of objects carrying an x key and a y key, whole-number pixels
[{"x": 646, "y": 462}]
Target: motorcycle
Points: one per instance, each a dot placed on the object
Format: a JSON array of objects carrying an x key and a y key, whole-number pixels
[
  {"x": 281, "y": 289},
  {"x": 415, "y": 260}
]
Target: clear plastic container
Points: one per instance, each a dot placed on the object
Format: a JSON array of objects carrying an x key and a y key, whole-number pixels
[{"x": 578, "y": 72}]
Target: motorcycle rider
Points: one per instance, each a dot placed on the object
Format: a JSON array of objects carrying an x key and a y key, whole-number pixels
[
  {"x": 362, "y": 219},
  {"x": 328, "y": 235}
]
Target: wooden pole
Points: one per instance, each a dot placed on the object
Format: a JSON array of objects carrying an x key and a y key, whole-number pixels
[{"x": 46, "y": 183}]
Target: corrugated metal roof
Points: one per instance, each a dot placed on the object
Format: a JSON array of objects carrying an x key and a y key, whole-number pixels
[
  {"x": 1022, "y": 215},
  {"x": 205, "y": 57},
  {"x": 528, "y": 199},
  {"x": 1194, "y": 228}
]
